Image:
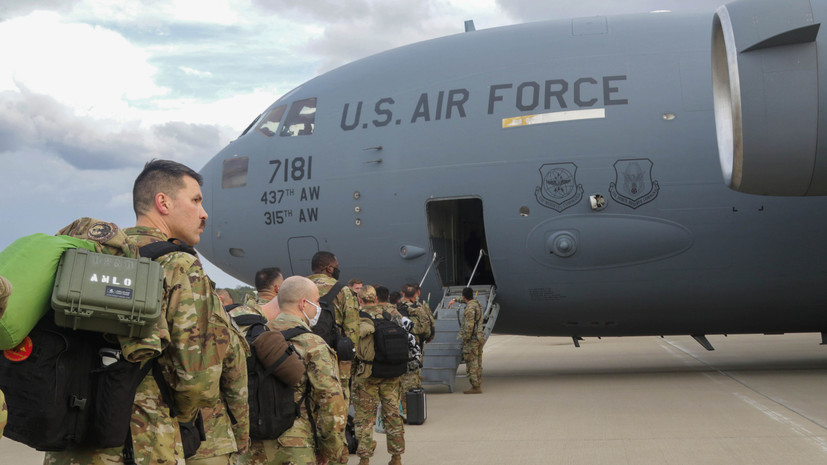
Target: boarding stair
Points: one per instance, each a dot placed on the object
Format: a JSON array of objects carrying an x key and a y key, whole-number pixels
[{"x": 443, "y": 354}]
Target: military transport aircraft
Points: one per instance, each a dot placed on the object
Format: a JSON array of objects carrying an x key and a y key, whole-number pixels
[{"x": 569, "y": 167}]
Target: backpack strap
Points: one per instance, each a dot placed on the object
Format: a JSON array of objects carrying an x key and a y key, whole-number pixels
[
  {"x": 163, "y": 386},
  {"x": 293, "y": 332},
  {"x": 128, "y": 451},
  {"x": 256, "y": 326},
  {"x": 288, "y": 335},
  {"x": 154, "y": 250},
  {"x": 249, "y": 320},
  {"x": 306, "y": 399},
  {"x": 332, "y": 293}
]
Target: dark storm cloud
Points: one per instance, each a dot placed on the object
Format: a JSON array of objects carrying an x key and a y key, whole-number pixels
[{"x": 39, "y": 123}]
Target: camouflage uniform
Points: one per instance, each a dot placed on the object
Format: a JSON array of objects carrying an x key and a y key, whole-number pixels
[
  {"x": 261, "y": 451},
  {"x": 329, "y": 409},
  {"x": 420, "y": 314},
  {"x": 227, "y": 424},
  {"x": 190, "y": 341},
  {"x": 369, "y": 391},
  {"x": 472, "y": 337},
  {"x": 4, "y": 413},
  {"x": 346, "y": 310}
]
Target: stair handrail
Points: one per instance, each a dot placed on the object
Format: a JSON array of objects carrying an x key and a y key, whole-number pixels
[
  {"x": 482, "y": 252},
  {"x": 428, "y": 270}
]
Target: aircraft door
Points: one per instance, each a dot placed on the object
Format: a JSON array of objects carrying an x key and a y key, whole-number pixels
[
  {"x": 456, "y": 228},
  {"x": 300, "y": 250}
]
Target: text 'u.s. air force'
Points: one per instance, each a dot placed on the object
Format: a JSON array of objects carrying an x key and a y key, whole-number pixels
[{"x": 528, "y": 96}]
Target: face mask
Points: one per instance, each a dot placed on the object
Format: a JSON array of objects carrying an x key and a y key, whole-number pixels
[
  {"x": 335, "y": 274},
  {"x": 312, "y": 322}
]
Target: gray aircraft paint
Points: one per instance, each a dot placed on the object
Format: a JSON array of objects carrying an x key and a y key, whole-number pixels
[{"x": 525, "y": 123}]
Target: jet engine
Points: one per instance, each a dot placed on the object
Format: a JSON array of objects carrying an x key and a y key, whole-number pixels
[{"x": 767, "y": 60}]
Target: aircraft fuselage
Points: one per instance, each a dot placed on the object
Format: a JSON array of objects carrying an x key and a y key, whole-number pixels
[{"x": 499, "y": 140}]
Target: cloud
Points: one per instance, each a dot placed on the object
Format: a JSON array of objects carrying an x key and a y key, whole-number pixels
[
  {"x": 11, "y": 9},
  {"x": 352, "y": 30},
  {"x": 194, "y": 72},
  {"x": 328, "y": 10},
  {"x": 90, "y": 68},
  {"x": 40, "y": 123},
  {"x": 531, "y": 10}
]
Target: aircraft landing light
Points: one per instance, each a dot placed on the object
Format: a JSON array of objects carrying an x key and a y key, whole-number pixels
[{"x": 554, "y": 117}]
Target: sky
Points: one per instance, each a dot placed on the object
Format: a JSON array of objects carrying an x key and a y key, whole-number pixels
[{"x": 90, "y": 90}]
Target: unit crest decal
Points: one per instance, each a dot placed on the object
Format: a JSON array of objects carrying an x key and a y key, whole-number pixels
[
  {"x": 558, "y": 187},
  {"x": 633, "y": 184}
]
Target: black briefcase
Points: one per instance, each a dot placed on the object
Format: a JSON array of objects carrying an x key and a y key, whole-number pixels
[{"x": 417, "y": 406}]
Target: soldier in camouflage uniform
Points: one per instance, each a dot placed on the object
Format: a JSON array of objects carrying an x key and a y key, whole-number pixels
[
  {"x": 268, "y": 281},
  {"x": 191, "y": 340},
  {"x": 369, "y": 391},
  {"x": 429, "y": 330},
  {"x": 298, "y": 300},
  {"x": 345, "y": 307},
  {"x": 420, "y": 315},
  {"x": 225, "y": 434},
  {"x": 261, "y": 451},
  {"x": 472, "y": 337}
]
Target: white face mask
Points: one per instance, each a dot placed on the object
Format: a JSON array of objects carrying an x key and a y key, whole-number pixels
[{"x": 312, "y": 322}]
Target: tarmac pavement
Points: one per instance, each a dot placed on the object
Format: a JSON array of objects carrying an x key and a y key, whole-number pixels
[{"x": 622, "y": 401}]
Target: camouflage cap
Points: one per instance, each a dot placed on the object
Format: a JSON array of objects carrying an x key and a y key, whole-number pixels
[
  {"x": 5, "y": 292},
  {"x": 367, "y": 293}
]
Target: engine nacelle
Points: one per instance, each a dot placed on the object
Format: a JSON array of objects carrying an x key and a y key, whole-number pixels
[{"x": 766, "y": 66}]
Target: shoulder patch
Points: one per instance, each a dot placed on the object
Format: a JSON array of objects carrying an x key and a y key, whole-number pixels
[{"x": 102, "y": 231}]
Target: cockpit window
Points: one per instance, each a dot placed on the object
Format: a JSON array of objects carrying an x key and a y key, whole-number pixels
[
  {"x": 269, "y": 125},
  {"x": 301, "y": 119},
  {"x": 234, "y": 172}
]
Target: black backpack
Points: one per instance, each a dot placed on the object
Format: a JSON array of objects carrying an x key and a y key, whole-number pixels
[
  {"x": 272, "y": 408},
  {"x": 328, "y": 330},
  {"x": 390, "y": 343},
  {"x": 70, "y": 388}
]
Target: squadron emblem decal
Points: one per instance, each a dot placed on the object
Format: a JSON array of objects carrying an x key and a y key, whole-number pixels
[
  {"x": 558, "y": 187},
  {"x": 633, "y": 184}
]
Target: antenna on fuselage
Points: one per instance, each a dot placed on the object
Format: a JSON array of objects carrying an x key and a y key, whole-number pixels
[{"x": 469, "y": 26}]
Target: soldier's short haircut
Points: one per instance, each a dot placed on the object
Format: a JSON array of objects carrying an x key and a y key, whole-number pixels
[
  {"x": 225, "y": 294},
  {"x": 354, "y": 281},
  {"x": 321, "y": 259},
  {"x": 293, "y": 290},
  {"x": 382, "y": 293},
  {"x": 165, "y": 176},
  {"x": 468, "y": 293},
  {"x": 394, "y": 297},
  {"x": 265, "y": 278},
  {"x": 408, "y": 291}
]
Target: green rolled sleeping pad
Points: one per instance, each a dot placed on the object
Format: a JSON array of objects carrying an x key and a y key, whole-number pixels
[{"x": 30, "y": 263}]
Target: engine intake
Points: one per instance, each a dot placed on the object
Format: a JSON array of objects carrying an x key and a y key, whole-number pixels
[{"x": 765, "y": 75}]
